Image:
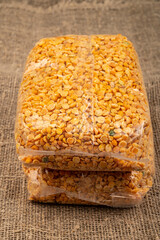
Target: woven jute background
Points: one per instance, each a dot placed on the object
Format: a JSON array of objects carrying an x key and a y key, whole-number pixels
[{"x": 22, "y": 23}]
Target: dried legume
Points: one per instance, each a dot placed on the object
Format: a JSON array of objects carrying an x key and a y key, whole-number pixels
[
  {"x": 84, "y": 96},
  {"x": 117, "y": 189}
]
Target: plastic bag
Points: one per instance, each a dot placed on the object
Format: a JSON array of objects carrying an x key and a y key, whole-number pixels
[
  {"x": 116, "y": 189},
  {"x": 82, "y": 106}
]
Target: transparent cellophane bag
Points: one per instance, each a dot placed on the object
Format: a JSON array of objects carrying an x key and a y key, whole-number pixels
[
  {"x": 82, "y": 105},
  {"x": 116, "y": 189}
]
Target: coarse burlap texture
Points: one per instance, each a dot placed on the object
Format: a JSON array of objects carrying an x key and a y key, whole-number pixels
[{"x": 22, "y": 23}]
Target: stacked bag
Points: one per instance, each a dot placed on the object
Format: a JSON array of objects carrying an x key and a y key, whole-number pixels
[{"x": 83, "y": 129}]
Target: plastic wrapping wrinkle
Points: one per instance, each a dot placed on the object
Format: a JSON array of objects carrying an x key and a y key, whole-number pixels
[
  {"x": 117, "y": 189},
  {"x": 82, "y": 106}
]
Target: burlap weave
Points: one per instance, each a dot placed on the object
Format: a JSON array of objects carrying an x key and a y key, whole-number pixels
[{"x": 22, "y": 23}]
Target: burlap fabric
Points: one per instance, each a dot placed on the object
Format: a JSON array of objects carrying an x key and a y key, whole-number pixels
[{"x": 22, "y": 23}]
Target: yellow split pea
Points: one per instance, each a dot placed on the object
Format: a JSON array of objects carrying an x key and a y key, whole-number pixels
[{"x": 84, "y": 94}]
